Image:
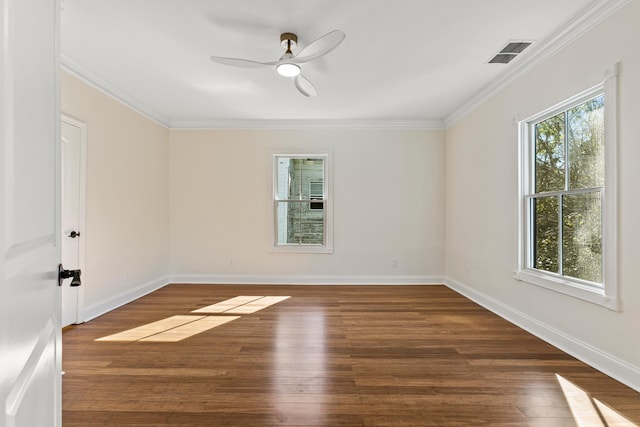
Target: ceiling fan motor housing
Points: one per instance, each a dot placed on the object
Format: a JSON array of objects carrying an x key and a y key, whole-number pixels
[{"x": 288, "y": 40}]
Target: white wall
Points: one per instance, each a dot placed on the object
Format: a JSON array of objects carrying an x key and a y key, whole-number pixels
[
  {"x": 481, "y": 200},
  {"x": 127, "y": 203},
  {"x": 388, "y": 203}
]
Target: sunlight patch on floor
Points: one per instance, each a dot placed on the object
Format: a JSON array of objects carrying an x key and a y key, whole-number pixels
[
  {"x": 242, "y": 304},
  {"x": 178, "y": 328},
  {"x": 223, "y": 306},
  {"x": 588, "y": 411},
  {"x": 190, "y": 329},
  {"x": 149, "y": 329}
]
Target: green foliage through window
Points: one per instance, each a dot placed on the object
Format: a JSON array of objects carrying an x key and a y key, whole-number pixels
[{"x": 566, "y": 204}]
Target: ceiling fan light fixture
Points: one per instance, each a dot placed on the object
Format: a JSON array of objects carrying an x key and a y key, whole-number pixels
[
  {"x": 288, "y": 69},
  {"x": 287, "y": 65}
]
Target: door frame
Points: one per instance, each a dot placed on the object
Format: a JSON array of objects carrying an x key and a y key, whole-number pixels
[{"x": 80, "y": 316}]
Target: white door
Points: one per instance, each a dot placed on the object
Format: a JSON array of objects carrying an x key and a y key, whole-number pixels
[
  {"x": 73, "y": 142},
  {"x": 30, "y": 333}
]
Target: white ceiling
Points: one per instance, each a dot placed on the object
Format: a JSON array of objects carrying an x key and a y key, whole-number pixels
[{"x": 401, "y": 61}]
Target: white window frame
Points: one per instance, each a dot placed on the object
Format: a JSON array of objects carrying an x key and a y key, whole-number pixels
[
  {"x": 327, "y": 155},
  {"x": 607, "y": 294}
]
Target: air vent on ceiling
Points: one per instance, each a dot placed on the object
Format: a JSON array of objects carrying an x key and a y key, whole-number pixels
[{"x": 509, "y": 52}]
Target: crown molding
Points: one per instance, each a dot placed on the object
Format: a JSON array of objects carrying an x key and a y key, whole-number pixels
[
  {"x": 540, "y": 52},
  {"x": 312, "y": 124},
  {"x": 98, "y": 82}
]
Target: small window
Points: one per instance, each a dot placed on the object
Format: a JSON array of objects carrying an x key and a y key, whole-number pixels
[
  {"x": 316, "y": 192},
  {"x": 567, "y": 195},
  {"x": 301, "y": 202}
]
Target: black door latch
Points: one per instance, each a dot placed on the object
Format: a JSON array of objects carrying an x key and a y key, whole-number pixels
[{"x": 66, "y": 274}]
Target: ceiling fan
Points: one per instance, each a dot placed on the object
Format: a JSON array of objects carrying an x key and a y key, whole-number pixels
[{"x": 289, "y": 64}]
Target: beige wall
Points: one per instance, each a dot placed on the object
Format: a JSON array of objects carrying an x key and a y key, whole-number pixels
[
  {"x": 388, "y": 203},
  {"x": 482, "y": 188},
  {"x": 127, "y": 200}
]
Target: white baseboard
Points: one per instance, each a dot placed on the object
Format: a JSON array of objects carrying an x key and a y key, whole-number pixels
[
  {"x": 118, "y": 300},
  {"x": 616, "y": 368},
  {"x": 235, "y": 279}
]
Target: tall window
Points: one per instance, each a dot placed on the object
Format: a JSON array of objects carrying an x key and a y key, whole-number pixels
[
  {"x": 566, "y": 202},
  {"x": 568, "y": 197},
  {"x": 301, "y": 202}
]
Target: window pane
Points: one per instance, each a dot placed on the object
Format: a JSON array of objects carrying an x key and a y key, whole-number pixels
[
  {"x": 546, "y": 233},
  {"x": 295, "y": 175},
  {"x": 312, "y": 225},
  {"x": 550, "y": 154},
  {"x": 284, "y": 171},
  {"x": 582, "y": 237},
  {"x": 299, "y": 225},
  {"x": 282, "y": 223},
  {"x": 297, "y": 179},
  {"x": 311, "y": 170},
  {"x": 585, "y": 137}
]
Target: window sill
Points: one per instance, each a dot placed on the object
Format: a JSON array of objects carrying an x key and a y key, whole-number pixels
[
  {"x": 568, "y": 287},
  {"x": 301, "y": 249}
]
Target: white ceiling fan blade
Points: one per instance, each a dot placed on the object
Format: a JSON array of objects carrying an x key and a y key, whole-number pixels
[
  {"x": 304, "y": 86},
  {"x": 320, "y": 46},
  {"x": 244, "y": 63}
]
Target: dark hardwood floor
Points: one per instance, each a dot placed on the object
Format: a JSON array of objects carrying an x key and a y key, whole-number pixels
[{"x": 331, "y": 356}]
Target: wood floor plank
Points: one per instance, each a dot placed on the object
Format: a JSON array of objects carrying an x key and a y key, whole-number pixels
[
  {"x": 328, "y": 356},
  {"x": 257, "y": 305},
  {"x": 225, "y": 305}
]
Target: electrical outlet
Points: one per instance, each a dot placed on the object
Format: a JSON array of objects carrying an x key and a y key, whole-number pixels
[{"x": 395, "y": 263}]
